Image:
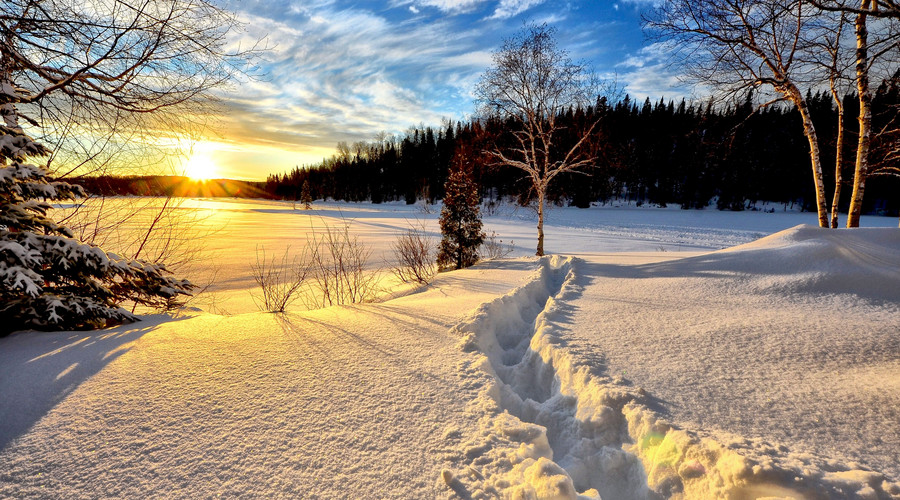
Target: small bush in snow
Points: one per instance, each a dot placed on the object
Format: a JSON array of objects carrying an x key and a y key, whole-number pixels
[
  {"x": 279, "y": 279},
  {"x": 339, "y": 268},
  {"x": 414, "y": 252},
  {"x": 494, "y": 248}
]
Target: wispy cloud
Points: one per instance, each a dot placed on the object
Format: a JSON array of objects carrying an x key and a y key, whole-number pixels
[
  {"x": 447, "y": 6},
  {"x": 344, "y": 70},
  {"x": 344, "y": 74},
  {"x": 511, "y": 8},
  {"x": 649, "y": 73}
]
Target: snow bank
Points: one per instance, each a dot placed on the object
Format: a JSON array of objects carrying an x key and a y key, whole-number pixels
[
  {"x": 556, "y": 425},
  {"x": 342, "y": 402},
  {"x": 809, "y": 259}
]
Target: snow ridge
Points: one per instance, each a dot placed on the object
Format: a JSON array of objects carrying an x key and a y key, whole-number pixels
[
  {"x": 540, "y": 438},
  {"x": 555, "y": 425}
]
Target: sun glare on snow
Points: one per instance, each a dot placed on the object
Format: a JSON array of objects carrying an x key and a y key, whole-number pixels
[{"x": 200, "y": 167}]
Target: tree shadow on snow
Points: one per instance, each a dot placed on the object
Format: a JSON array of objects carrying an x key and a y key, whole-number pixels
[
  {"x": 40, "y": 369},
  {"x": 321, "y": 337}
]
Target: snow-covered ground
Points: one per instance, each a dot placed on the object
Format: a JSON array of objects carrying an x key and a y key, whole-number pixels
[{"x": 660, "y": 354}]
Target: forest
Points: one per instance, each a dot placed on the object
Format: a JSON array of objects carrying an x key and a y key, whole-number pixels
[
  {"x": 170, "y": 185},
  {"x": 687, "y": 153}
]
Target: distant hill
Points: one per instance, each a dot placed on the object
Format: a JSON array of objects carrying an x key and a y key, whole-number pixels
[{"x": 170, "y": 185}]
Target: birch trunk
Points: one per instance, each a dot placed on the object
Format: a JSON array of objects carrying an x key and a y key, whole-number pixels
[
  {"x": 540, "y": 225},
  {"x": 838, "y": 162},
  {"x": 865, "y": 116},
  {"x": 815, "y": 157}
]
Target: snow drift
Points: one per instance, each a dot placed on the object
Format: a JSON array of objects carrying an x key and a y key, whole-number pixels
[{"x": 557, "y": 425}]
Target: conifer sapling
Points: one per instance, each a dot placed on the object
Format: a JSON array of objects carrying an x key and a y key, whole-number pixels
[
  {"x": 305, "y": 196},
  {"x": 460, "y": 222}
]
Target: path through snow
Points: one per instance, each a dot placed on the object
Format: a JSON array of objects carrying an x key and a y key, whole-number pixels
[{"x": 560, "y": 419}]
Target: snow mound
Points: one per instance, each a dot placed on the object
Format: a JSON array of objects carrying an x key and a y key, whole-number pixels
[
  {"x": 554, "y": 425},
  {"x": 807, "y": 259}
]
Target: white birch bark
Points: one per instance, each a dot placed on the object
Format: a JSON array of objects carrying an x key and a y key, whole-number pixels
[{"x": 865, "y": 116}]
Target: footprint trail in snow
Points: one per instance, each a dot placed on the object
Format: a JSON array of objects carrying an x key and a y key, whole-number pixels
[
  {"x": 538, "y": 438},
  {"x": 556, "y": 425}
]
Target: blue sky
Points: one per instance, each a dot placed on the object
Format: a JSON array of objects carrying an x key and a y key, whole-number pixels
[{"x": 342, "y": 70}]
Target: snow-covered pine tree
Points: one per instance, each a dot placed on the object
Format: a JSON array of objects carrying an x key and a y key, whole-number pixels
[
  {"x": 305, "y": 196},
  {"x": 50, "y": 280},
  {"x": 460, "y": 222}
]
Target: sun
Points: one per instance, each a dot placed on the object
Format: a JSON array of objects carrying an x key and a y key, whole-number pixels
[{"x": 200, "y": 167}]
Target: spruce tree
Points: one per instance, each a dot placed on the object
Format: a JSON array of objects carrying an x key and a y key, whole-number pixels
[
  {"x": 305, "y": 196},
  {"x": 50, "y": 280},
  {"x": 460, "y": 222}
]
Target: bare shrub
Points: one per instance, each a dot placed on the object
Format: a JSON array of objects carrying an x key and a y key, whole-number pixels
[
  {"x": 414, "y": 253},
  {"x": 338, "y": 267},
  {"x": 141, "y": 228},
  {"x": 154, "y": 230},
  {"x": 279, "y": 278},
  {"x": 489, "y": 208},
  {"x": 425, "y": 207},
  {"x": 494, "y": 248}
]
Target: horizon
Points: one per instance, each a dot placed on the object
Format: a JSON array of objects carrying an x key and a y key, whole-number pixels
[{"x": 342, "y": 71}]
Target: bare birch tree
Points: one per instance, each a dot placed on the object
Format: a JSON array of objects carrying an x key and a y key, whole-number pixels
[
  {"x": 734, "y": 45},
  {"x": 832, "y": 51},
  {"x": 865, "y": 114},
  {"x": 868, "y": 52},
  {"x": 532, "y": 82}
]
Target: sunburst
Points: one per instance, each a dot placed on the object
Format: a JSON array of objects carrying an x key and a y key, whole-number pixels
[{"x": 200, "y": 167}]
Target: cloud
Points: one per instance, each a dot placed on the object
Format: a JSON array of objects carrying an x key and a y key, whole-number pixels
[
  {"x": 649, "y": 73},
  {"x": 344, "y": 74},
  {"x": 445, "y": 6},
  {"x": 344, "y": 70},
  {"x": 655, "y": 80},
  {"x": 511, "y": 8}
]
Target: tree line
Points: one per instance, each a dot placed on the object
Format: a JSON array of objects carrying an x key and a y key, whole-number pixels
[
  {"x": 659, "y": 152},
  {"x": 169, "y": 185}
]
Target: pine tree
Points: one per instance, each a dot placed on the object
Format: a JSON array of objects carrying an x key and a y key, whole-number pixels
[
  {"x": 50, "y": 280},
  {"x": 305, "y": 197},
  {"x": 460, "y": 222}
]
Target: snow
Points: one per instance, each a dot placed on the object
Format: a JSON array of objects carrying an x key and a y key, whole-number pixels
[{"x": 663, "y": 353}]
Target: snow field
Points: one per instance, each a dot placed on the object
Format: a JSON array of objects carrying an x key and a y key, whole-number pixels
[
  {"x": 558, "y": 426},
  {"x": 645, "y": 367},
  {"x": 228, "y": 232},
  {"x": 349, "y": 401},
  {"x": 790, "y": 343}
]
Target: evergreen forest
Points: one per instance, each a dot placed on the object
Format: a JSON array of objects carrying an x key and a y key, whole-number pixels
[{"x": 692, "y": 154}]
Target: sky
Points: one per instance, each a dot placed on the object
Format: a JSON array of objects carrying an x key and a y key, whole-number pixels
[{"x": 345, "y": 70}]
